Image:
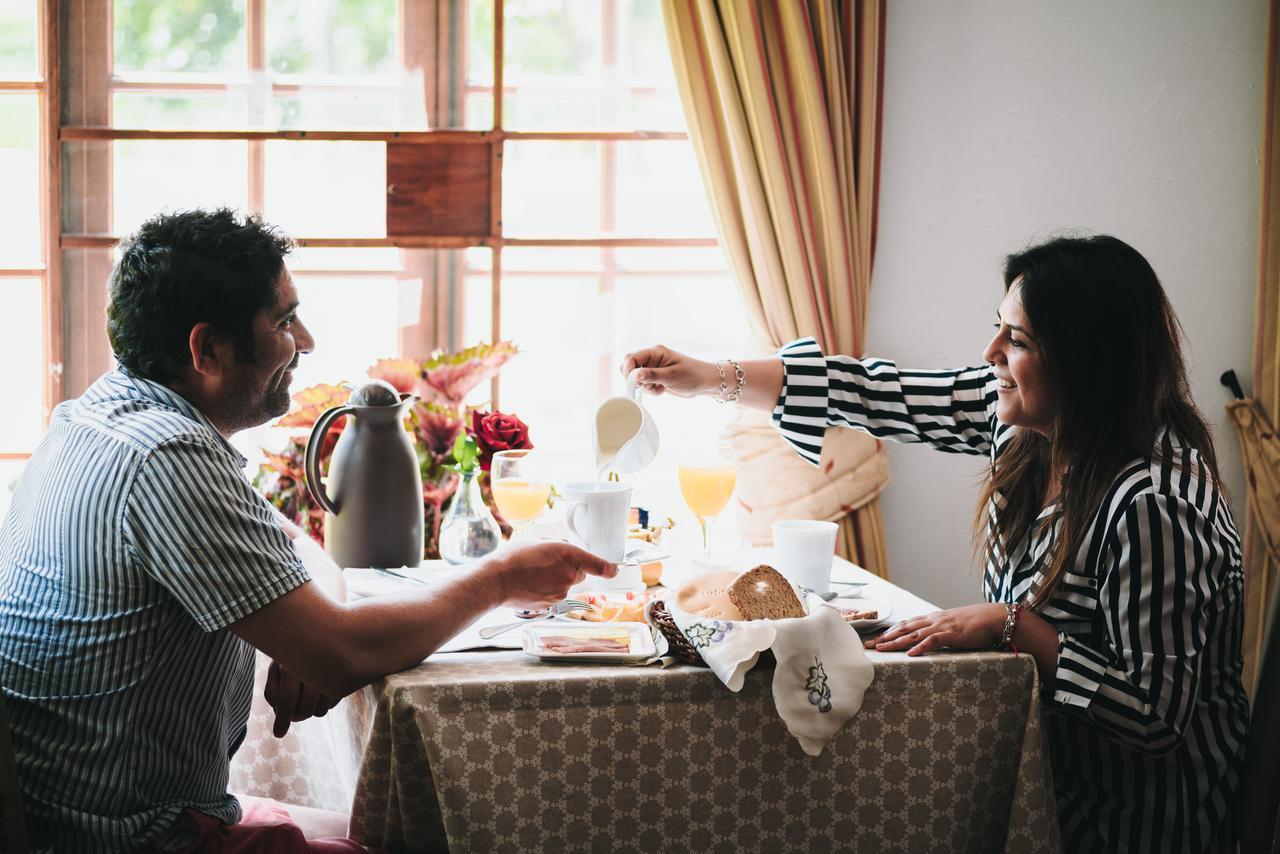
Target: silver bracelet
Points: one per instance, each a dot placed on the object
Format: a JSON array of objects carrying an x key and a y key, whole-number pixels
[
  {"x": 1012, "y": 611},
  {"x": 740, "y": 382}
]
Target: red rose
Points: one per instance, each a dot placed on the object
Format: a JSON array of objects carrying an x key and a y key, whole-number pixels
[{"x": 497, "y": 431}]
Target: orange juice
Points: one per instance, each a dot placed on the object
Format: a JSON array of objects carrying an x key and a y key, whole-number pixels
[
  {"x": 521, "y": 500},
  {"x": 706, "y": 488}
]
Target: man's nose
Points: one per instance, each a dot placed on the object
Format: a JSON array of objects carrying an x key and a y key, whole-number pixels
[{"x": 302, "y": 338}]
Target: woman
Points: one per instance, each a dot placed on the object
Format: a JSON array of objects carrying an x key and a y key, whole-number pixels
[{"x": 1110, "y": 554}]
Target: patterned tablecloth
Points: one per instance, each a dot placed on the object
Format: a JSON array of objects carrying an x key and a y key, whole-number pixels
[{"x": 492, "y": 751}]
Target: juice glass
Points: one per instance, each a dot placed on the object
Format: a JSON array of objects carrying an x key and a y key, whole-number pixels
[
  {"x": 520, "y": 488},
  {"x": 706, "y": 484}
]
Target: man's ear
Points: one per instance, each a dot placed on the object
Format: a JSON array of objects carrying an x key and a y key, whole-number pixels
[{"x": 211, "y": 351}]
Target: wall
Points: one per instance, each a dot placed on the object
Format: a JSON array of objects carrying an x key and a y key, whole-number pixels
[{"x": 1004, "y": 122}]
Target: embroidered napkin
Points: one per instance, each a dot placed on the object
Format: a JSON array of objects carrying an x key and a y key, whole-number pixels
[{"x": 822, "y": 673}]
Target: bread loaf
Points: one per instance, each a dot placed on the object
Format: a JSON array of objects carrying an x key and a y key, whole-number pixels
[
  {"x": 763, "y": 594},
  {"x": 707, "y": 596}
]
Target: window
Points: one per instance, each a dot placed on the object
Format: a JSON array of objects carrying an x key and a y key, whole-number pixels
[
  {"x": 588, "y": 230},
  {"x": 24, "y": 291}
]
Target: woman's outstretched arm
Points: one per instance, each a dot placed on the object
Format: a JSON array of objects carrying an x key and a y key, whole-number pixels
[{"x": 663, "y": 370}]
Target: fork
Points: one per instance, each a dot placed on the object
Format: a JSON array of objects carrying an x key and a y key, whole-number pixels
[{"x": 555, "y": 610}]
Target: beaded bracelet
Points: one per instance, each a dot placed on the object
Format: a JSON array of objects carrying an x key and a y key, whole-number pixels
[{"x": 740, "y": 382}]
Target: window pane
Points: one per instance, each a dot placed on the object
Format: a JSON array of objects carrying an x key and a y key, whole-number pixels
[
  {"x": 642, "y": 43},
  {"x": 151, "y": 176},
  {"x": 674, "y": 258},
  {"x": 480, "y": 43},
  {"x": 355, "y": 321},
  {"x": 382, "y": 258},
  {"x": 555, "y": 382},
  {"x": 551, "y": 188},
  {"x": 348, "y": 111},
  {"x": 564, "y": 109},
  {"x": 552, "y": 41},
  {"x": 477, "y": 311},
  {"x": 148, "y": 111},
  {"x": 552, "y": 259},
  {"x": 22, "y": 345},
  {"x": 660, "y": 190},
  {"x": 331, "y": 36},
  {"x": 20, "y": 243},
  {"x": 479, "y": 111},
  {"x": 327, "y": 189},
  {"x": 18, "y": 19},
  {"x": 180, "y": 35}
]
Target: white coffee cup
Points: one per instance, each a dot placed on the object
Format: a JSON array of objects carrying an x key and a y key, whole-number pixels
[
  {"x": 596, "y": 516},
  {"x": 804, "y": 550}
]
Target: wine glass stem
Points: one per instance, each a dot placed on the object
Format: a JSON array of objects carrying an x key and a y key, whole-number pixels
[{"x": 706, "y": 543}]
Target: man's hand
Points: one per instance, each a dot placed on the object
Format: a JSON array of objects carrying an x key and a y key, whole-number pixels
[
  {"x": 537, "y": 575},
  {"x": 292, "y": 699}
]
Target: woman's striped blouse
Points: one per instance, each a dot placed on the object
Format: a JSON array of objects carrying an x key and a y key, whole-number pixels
[{"x": 1147, "y": 715}]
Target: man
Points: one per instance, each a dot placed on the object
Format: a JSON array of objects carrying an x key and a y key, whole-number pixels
[{"x": 139, "y": 569}]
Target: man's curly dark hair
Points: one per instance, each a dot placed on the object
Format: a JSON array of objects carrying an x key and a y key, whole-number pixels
[{"x": 186, "y": 268}]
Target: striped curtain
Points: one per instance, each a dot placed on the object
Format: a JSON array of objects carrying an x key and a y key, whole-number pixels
[
  {"x": 1261, "y": 565},
  {"x": 783, "y": 105}
]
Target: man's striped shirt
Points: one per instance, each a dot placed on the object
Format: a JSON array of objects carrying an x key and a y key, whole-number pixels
[
  {"x": 133, "y": 540},
  {"x": 1147, "y": 712}
]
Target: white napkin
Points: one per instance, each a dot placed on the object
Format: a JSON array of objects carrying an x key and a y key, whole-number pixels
[{"x": 822, "y": 673}]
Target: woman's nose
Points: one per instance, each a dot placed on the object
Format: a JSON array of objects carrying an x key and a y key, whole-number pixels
[{"x": 993, "y": 353}]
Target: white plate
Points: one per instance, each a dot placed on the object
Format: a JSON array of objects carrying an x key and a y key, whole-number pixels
[
  {"x": 883, "y": 606},
  {"x": 638, "y": 634}
]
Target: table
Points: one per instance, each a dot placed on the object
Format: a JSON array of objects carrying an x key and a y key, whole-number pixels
[{"x": 492, "y": 751}]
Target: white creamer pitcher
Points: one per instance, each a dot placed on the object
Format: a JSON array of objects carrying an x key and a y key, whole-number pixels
[{"x": 624, "y": 434}]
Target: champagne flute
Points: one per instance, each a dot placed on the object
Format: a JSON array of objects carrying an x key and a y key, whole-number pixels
[
  {"x": 520, "y": 488},
  {"x": 706, "y": 484}
]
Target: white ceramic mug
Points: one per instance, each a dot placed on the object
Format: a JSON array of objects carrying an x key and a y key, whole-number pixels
[
  {"x": 596, "y": 516},
  {"x": 804, "y": 550}
]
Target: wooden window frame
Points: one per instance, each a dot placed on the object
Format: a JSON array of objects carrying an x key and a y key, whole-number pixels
[{"x": 58, "y": 133}]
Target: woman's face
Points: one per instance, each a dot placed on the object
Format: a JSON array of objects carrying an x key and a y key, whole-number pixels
[{"x": 1022, "y": 381}]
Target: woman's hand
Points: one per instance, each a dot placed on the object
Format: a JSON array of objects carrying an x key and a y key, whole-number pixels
[
  {"x": 666, "y": 370},
  {"x": 970, "y": 627}
]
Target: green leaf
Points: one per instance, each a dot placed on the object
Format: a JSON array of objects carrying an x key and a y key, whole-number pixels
[{"x": 466, "y": 452}]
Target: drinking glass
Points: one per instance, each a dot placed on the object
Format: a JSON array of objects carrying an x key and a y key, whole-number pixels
[
  {"x": 706, "y": 484},
  {"x": 520, "y": 488}
]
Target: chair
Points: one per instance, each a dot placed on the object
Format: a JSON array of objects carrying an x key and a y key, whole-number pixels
[
  {"x": 13, "y": 827},
  {"x": 1260, "y": 784}
]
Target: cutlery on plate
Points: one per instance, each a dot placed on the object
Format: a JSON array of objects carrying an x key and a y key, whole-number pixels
[
  {"x": 489, "y": 632},
  {"x": 826, "y": 597}
]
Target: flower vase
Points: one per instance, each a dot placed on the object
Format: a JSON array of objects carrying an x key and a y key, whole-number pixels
[{"x": 469, "y": 530}]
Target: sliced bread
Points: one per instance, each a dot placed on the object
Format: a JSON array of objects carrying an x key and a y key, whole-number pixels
[{"x": 763, "y": 594}]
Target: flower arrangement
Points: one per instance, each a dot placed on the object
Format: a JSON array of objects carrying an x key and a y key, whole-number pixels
[{"x": 437, "y": 421}]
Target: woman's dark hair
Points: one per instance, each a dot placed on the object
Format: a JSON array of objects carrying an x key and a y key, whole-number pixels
[
  {"x": 186, "y": 268},
  {"x": 1109, "y": 342}
]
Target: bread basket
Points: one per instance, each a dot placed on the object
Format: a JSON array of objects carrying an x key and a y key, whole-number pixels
[{"x": 678, "y": 645}]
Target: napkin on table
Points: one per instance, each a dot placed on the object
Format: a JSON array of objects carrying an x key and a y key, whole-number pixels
[{"x": 822, "y": 673}]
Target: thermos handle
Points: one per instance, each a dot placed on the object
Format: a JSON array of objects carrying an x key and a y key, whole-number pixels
[{"x": 312, "y": 469}]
